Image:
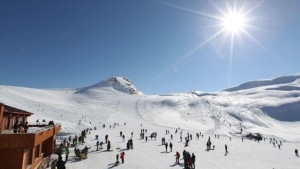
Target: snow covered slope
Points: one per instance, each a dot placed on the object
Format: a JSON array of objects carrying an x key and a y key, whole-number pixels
[{"x": 270, "y": 107}]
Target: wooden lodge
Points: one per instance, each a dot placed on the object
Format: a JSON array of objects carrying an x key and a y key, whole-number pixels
[{"x": 24, "y": 150}]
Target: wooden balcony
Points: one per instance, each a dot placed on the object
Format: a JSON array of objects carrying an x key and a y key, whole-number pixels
[{"x": 26, "y": 150}]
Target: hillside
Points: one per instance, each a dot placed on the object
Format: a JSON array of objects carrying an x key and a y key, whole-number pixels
[
  {"x": 270, "y": 109},
  {"x": 265, "y": 108}
]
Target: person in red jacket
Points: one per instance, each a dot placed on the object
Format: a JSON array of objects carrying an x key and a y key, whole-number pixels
[
  {"x": 122, "y": 156},
  {"x": 177, "y": 157}
]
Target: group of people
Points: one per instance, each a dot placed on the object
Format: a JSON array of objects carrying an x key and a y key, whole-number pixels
[
  {"x": 20, "y": 128},
  {"x": 189, "y": 160},
  {"x": 122, "y": 155}
]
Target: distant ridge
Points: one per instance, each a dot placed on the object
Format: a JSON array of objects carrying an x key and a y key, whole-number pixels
[{"x": 267, "y": 82}]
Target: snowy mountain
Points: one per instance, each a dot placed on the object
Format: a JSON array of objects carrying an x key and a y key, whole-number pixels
[
  {"x": 120, "y": 84},
  {"x": 258, "y": 106},
  {"x": 284, "y": 83},
  {"x": 270, "y": 107}
]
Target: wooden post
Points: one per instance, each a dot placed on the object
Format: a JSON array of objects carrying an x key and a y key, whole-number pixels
[{"x": 1, "y": 117}]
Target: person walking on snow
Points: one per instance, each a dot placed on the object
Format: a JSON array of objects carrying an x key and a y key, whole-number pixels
[
  {"x": 193, "y": 160},
  {"x": 177, "y": 157},
  {"x": 106, "y": 137},
  {"x": 97, "y": 144},
  {"x": 122, "y": 156},
  {"x": 108, "y": 145},
  {"x": 166, "y": 145},
  {"x": 171, "y": 146}
]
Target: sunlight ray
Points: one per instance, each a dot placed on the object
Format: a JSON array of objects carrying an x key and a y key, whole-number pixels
[
  {"x": 233, "y": 21},
  {"x": 190, "y": 53},
  {"x": 256, "y": 41},
  {"x": 188, "y": 10}
]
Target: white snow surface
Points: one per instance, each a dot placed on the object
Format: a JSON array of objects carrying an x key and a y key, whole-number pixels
[{"x": 270, "y": 107}]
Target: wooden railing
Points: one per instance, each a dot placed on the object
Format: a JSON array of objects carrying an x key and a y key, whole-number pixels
[{"x": 32, "y": 138}]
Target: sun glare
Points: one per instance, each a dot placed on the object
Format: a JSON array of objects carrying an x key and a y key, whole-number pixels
[{"x": 234, "y": 22}]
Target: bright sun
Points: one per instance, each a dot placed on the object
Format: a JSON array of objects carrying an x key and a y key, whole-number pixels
[{"x": 234, "y": 22}]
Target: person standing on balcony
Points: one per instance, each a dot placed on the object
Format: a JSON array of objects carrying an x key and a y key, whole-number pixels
[
  {"x": 21, "y": 128},
  {"x": 26, "y": 127},
  {"x": 15, "y": 127}
]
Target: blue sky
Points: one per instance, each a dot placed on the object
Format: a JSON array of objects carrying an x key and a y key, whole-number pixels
[{"x": 161, "y": 46}]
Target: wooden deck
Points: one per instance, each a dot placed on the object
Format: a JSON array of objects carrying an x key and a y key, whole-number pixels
[{"x": 26, "y": 150}]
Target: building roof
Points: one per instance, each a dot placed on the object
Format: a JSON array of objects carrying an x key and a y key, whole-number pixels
[{"x": 10, "y": 109}]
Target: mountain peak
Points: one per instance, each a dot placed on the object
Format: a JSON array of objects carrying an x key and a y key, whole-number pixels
[
  {"x": 122, "y": 84},
  {"x": 115, "y": 83}
]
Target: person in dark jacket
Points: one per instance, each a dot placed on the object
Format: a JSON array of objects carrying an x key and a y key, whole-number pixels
[
  {"x": 193, "y": 160},
  {"x": 171, "y": 146},
  {"x": 15, "y": 127},
  {"x": 26, "y": 127},
  {"x": 166, "y": 145},
  {"x": 108, "y": 145},
  {"x": 60, "y": 163}
]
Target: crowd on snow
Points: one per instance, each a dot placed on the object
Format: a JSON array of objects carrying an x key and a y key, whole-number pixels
[{"x": 187, "y": 157}]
